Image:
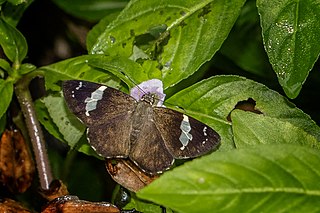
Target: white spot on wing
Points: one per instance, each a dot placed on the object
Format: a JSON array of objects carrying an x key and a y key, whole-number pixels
[
  {"x": 185, "y": 136},
  {"x": 91, "y": 103},
  {"x": 205, "y": 131},
  {"x": 204, "y": 142},
  {"x": 80, "y": 85},
  {"x": 77, "y": 88}
]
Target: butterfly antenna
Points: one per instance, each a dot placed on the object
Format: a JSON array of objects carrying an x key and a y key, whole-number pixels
[{"x": 134, "y": 83}]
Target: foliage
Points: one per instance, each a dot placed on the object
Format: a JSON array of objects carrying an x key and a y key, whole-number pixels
[
  {"x": 268, "y": 159},
  {"x": 224, "y": 185}
]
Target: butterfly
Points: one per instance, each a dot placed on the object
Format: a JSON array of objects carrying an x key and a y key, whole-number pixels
[{"x": 119, "y": 126}]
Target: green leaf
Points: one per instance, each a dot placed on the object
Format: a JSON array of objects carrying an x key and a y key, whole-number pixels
[
  {"x": 95, "y": 32},
  {"x": 85, "y": 148},
  {"x": 6, "y": 91},
  {"x": 118, "y": 66},
  {"x": 190, "y": 33},
  {"x": 267, "y": 178},
  {"x": 291, "y": 35},
  {"x": 45, "y": 119},
  {"x": 55, "y": 122},
  {"x": 143, "y": 206},
  {"x": 244, "y": 45},
  {"x": 12, "y": 13},
  {"x": 5, "y": 67},
  {"x": 12, "y": 42},
  {"x": 26, "y": 68},
  {"x": 212, "y": 100},
  {"x": 76, "y": 68},
  {"x": 68, "y": 124},
  {"x": 252, "y": 129},
  {"x": 91, "y": 9}
]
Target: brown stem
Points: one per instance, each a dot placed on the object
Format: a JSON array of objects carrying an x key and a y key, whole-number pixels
[{"x": 35, "y": 132}]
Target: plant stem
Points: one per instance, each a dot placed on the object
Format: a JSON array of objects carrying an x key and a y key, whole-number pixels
[{"x": 35, "y": 131}]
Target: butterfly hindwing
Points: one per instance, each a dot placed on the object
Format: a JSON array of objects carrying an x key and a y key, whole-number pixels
[
  {"x": 112, "y": 138},
  {"x": 148, "y": 149},
  {"x": 184, "y": 136},
  {"x": 149, "y": 152}
]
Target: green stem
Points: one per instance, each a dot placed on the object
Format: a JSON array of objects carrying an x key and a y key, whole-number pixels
[{"x": 34, "y": 130}]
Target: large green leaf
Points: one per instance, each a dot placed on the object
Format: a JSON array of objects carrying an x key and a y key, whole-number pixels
[
  {"x": 76, "y": 68},
  {"x": 91, "y": 9},
  {"x": 95, "y": 32},
  {"x": 267, "y": 178},
  {"x": 291, "y": 34},
  {"x": 127, "y": 70},
  {"x": 6, "y": 91},
  {"x": 252, "y": 129},
  {"x": 12, "y": 42},
  {"x": 178, "y": 36},
  {"x": 212, "y": 100}
]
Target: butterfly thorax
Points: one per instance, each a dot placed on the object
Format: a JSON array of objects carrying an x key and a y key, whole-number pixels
[
  {"x": 141, "y": 115},
  {"x": 150, "y": 98}
]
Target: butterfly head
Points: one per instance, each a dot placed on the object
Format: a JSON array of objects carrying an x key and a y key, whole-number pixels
[
  {"x": 150, "y": 98},
  {"x": 150, "y": 91}
]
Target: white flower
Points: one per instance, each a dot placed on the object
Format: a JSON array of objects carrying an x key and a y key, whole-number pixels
[{"x": 151, "y": 87}]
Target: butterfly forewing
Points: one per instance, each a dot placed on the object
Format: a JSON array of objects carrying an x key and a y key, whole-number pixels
[
  {"x": 184, "y": 136},
  {"x": 108, "y": 118},
  {"x": 94, "y": 104}
]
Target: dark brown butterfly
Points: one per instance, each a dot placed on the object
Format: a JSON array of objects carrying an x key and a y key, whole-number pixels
[{"x": 119, "y": 126}]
